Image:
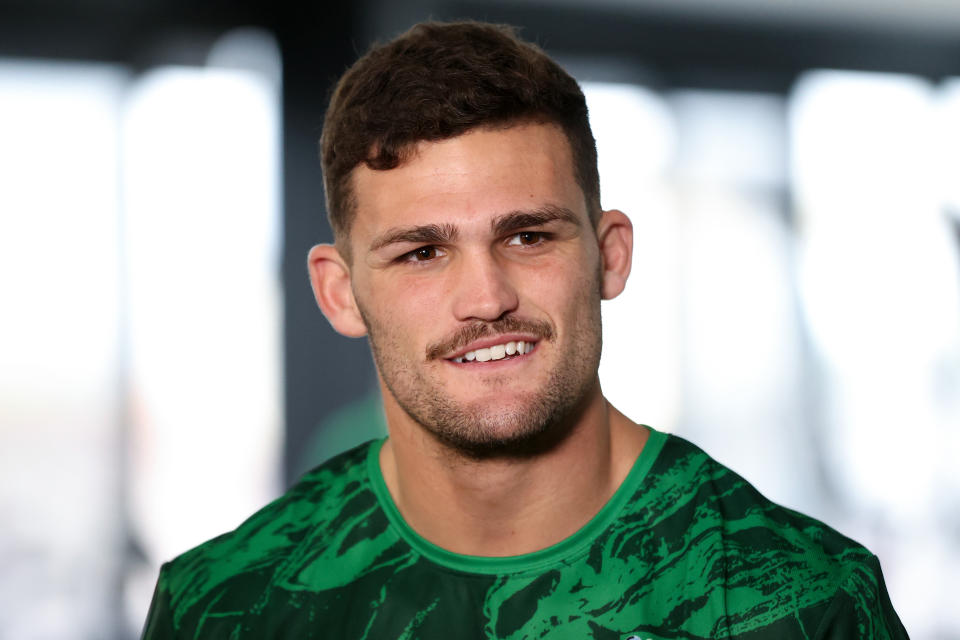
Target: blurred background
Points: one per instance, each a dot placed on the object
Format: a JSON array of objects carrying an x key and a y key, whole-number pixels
[{"x": 792, "y": 171}]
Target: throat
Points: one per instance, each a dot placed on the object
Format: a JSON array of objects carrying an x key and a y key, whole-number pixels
[{"x": 498, "y": 508}]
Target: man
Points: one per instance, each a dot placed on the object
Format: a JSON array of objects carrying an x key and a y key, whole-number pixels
[{"x": 510, "y": 500}]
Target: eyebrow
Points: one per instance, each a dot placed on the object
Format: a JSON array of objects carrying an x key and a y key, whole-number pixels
[
  {"x": 501, "y": 225},
  {"x": 516, "y": 220},
  {"x": 424, "y": 234}
]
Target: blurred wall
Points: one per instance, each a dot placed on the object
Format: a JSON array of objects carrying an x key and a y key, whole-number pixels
[{"x": 724, "y": 94}]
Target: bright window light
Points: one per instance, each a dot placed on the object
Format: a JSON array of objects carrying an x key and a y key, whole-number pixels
[
  {"x": 947, "y": 123},
  {"x": 202, "y": 206},
  {"x": 878, "y": 272},
  {"x": 741, "y": 348},
  {"x": 60, "y": 417},
  {"x": 639, "y": 369},
  {"x": 201, "y": 198},
  {"x": 139, "y": 257},
  {"x": 879, "y": 280}
]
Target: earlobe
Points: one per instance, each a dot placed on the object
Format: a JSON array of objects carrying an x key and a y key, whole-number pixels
[
  {"x": 330, "y": 278},
  {"x": 615, "y": 235}
]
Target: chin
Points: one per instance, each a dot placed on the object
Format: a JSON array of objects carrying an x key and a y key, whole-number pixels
[{"x": 475, "y": 432}]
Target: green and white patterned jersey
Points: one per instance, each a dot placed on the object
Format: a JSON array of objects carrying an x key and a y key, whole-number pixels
[{"x": 684, "y": 549}]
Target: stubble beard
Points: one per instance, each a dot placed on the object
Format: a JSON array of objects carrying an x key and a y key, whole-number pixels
[{"x": 483, "y": 430}]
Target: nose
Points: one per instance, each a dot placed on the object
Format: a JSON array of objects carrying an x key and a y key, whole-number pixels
[{"x": 482, "y": 289}]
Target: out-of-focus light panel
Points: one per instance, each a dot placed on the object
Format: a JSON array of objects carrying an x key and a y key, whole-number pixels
[
  {"x": 742, "y": 352},
  {"x": 639, "y": 368},
  {"x": 139, "y": 338},
  {"x": 60, "y": 422},
  {"x": 947, "y": 124},
  {"x": 879, "y": 280},
  {"x": 202, "y": 220}
]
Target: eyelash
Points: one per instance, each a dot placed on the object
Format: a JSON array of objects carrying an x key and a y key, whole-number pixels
[
  {"x": 541, "y": 237},
  {"x": 411, "y": 256}
]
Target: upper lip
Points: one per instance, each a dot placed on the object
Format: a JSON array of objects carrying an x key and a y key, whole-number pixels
[{"x": 490, "y": 341}]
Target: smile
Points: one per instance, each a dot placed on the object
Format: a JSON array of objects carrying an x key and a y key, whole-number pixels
[{"x": 497, "y": 352}]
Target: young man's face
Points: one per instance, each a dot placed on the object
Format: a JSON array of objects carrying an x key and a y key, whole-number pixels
[{"x": 471, "y": 247}]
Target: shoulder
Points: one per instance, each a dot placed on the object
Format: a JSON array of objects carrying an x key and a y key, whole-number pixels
[
  {"x": 774, "y": 566},
  {"x": 696, "y": 490},
  {"x": 242, "y": 564}
]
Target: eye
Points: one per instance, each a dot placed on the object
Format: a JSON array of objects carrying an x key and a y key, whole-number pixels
[
  {"x": 422, "y": 254},
  {"x": 527, "y": 238}
]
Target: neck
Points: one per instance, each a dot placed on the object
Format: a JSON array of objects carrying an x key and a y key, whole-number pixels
[{"x": 509, "y": 506}]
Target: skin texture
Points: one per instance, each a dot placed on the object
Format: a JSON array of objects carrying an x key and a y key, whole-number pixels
[{"x": 479, "y": 240}]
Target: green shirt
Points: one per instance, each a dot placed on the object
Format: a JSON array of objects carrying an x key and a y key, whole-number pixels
[{"x": 684, "y": 549}]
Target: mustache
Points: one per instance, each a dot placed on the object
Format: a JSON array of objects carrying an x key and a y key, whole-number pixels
[{"x": 468, "y": 333}]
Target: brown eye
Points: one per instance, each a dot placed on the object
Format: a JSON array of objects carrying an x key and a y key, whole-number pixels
[
  {"x": 527, "y": 238},
  {"x": 424, "y": 253}
]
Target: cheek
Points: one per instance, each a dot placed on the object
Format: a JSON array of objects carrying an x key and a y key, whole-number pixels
[
  {"x": 565, "y": 289},
  {"x": 404, "y": 306},
  {"x": 577, "y": 270},
  {"x": 414, "y": 297}
]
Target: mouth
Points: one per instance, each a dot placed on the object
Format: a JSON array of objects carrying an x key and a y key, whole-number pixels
[{"x": 503, "y": 351}]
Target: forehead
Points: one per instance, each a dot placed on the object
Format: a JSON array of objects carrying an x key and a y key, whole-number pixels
[{"x": 468, "y": 180}]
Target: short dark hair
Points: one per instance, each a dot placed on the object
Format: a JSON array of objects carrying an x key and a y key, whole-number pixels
[{"x": 439, "y": 80}]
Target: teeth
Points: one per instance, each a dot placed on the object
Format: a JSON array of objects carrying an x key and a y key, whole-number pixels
[{"x": 496, "y": 352}]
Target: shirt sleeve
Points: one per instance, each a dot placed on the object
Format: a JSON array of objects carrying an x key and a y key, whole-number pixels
[
  {"x": 159, "y": 624},
  {"x": 862, "y": 609}
]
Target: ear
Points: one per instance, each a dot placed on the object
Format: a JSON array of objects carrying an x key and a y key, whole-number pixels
[
  {"x": 615, "y": 235},
  {"x": 330, "y": 278}
]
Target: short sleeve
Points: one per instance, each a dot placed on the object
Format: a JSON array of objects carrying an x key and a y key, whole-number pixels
[
  {"x": 862, "y": 609},
  {"x": 159, "y": 624}
]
